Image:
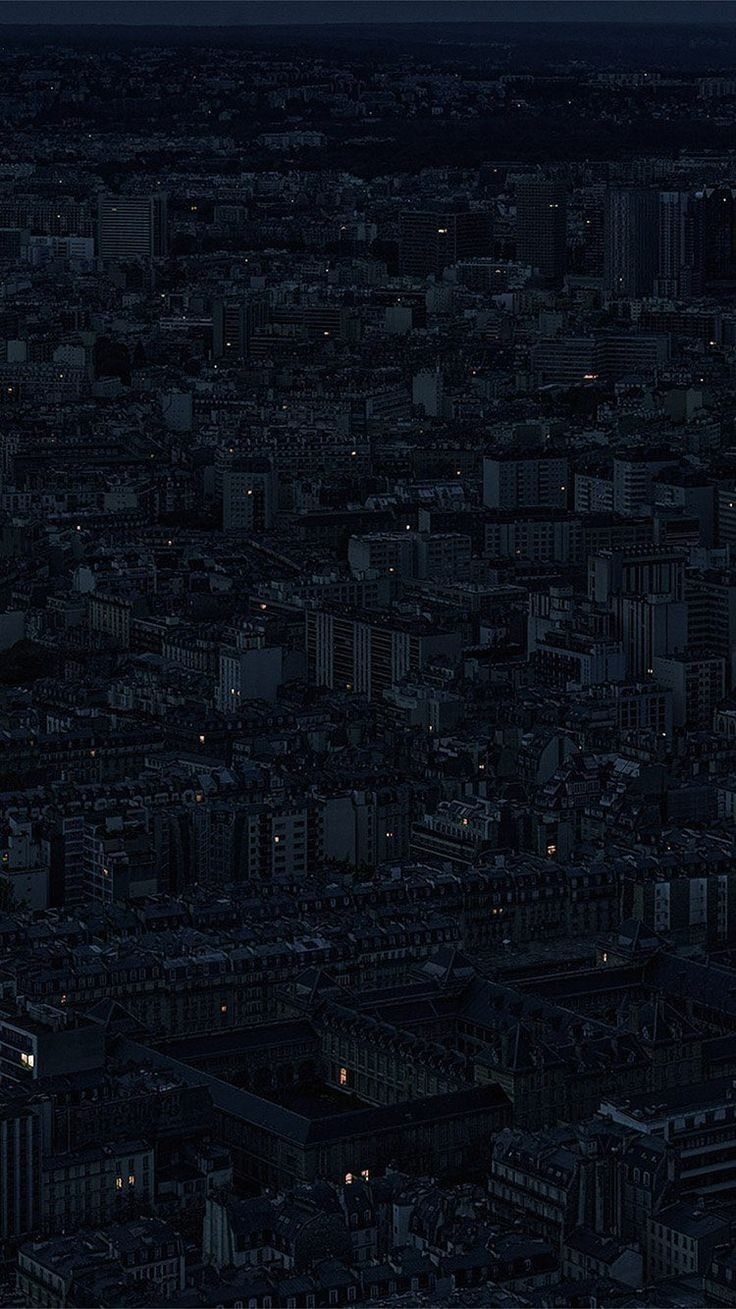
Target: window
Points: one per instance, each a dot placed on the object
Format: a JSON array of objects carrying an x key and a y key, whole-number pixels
[
  {"x": 343, "y": 1079},
  {"x": 28, "y": 1060},
  {"x": 118, "y": 1183},
  {"x": 131, "y": 1179}
]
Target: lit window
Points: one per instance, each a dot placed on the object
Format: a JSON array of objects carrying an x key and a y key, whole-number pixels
[
  {"x": 343, "y": 1077},
  {"x": 118, "y": 1183},
  {"x": 28, "y": 1060},
  {"x": 366, "y": 1174},
  {"x": 223, "y": 1008},
  {"x": 131, "y": 1179},
  {"x": 348, "y": 1178}
]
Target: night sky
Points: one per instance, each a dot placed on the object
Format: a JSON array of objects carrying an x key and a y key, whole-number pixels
[{"x": 226, "y": 12}]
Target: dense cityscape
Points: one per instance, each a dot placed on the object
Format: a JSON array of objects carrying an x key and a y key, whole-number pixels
[{"x": 368, "y": 666}]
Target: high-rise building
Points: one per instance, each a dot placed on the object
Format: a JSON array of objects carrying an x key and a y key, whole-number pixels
[
  {"x": 633, "y": 479},
  {"x": 233, "y": 325},
  {"x": 711, "y": 614},
  {"x": 697, "y": 679},
  {"x": 132, "y": 226},
  {"x": 630, "y": 242},
  {"x": 427, "y": 392},
  {"x": 525, "y": 480},
  {"x": 368, "y": 654},
  {"x": 593, "y": 204},
  {"x": 541, "y": 225},
  {"x": 650, "y": 626},
  {"x": 680, "y": 267},
  {"x": 248, "y": 493},
  {"x": 572, "y": 360},
  {"x": 431, "y": 240},
  {"x": 248, "y": 674},
  {"x": 718, "y": 206},
  {"x": 124, "y": 861},
  {"x": 640, "y": 571},
  {"x": 20, "y": 1170}
]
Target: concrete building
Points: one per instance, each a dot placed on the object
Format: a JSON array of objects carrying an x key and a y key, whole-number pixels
[
  {"x": 541, "y": 225},
  {"x": 630, "y": 242},
  {"x": 697, "y": 680},
  {"x": 244, "y": 675},
  {"x": 518, "y": 481},
  {"x": 132, "y": 227},
  {"x": 431, "y": 240},
  {"x": 39, "y": 1041},
  {"x": 249, "y": 495},
  {"x": 366, "y": 656}
]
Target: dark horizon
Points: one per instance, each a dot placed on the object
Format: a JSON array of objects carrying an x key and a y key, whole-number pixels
[{"x": 328, "y": 13}]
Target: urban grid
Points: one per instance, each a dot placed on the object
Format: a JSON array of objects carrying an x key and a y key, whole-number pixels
[{"x": 368, "y": 658}]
